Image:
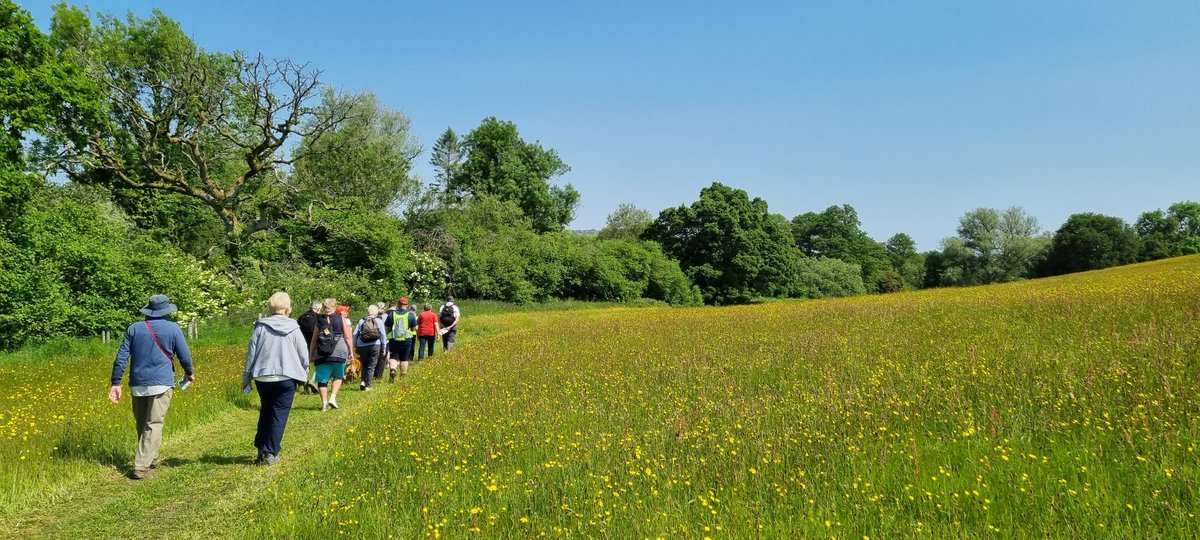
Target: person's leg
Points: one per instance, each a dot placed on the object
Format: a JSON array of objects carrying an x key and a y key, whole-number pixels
[
  {"x": 141, "y": 419},
  {"x": 367, "y": 356},
  {"x": 265, "y": 400},
  {"x": 406, "y": 353},
  {"x": 448, "y": 339},
  {"x": 282, "y": 393},
  {"x": 323, "y": 372},
  {"x": 339, "y": 374},
  {"x": 150, "y": 440},
  {"x": 394, "y": 354},
  {"x": 380, "y": 364}
]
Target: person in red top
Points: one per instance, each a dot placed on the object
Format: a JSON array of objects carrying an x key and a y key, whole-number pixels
[{"x": 427, "y": 331}]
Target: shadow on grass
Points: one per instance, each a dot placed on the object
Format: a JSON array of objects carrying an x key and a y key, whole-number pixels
[
  {"x": 91, "y": 445},
  {"x": 209, "y": 459}
]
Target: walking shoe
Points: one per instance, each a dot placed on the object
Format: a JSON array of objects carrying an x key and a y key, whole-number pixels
[
  {"x": 362, "y": 386},
  {"x": 366, "y": 389},
  {"x": 139, "y": 474},
  {"x": 325, "y": 406},
  {"x": 270, "y": 459},
  {"x": 333, "y": 404},
  {"x": 154, "y": 464},
  {"x": 392, "y": 377}
]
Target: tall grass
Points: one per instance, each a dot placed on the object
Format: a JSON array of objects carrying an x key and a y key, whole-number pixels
[
  {"x": 1063, "y": 408},
  {"x": 1054, "y": 408}
]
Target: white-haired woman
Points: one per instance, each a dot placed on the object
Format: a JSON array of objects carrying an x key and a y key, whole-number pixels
[
  {"x": 368, "y": 335},
  {"x": 276, "y": 360}
]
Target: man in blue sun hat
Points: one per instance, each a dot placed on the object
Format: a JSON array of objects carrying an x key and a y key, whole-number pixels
[{"x": 150, "y": 349}]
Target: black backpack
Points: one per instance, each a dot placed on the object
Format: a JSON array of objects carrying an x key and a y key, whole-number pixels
[
  {"x": 447, "y": 315},
  {"x": 327, "y": 339}
]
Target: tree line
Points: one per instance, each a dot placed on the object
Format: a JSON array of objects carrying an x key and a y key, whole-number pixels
[
  {"x": 735, "y": 250},
  {"x": 134, "y": 161}
]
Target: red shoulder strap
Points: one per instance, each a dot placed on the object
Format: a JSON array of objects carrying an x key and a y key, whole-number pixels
[{"x": 154, "y": 336}]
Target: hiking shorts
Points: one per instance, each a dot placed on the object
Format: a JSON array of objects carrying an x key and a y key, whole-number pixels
[{"x": 327, "y": 370}]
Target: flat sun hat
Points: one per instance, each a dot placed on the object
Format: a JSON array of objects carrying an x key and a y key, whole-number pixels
[{"x": 159, "y": 306}]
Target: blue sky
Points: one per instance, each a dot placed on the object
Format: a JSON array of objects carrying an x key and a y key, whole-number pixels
[{"x": 912, "y": 112}]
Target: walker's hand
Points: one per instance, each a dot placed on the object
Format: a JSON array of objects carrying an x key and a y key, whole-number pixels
[
  {"x": 114, "y": 394},
  {"x": 192, "y": 377}
]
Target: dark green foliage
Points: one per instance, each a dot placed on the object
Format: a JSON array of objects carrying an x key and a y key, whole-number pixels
[
  {"x": 835, "y": 234},
  {"x": 37, "y": 90},
  {"x": 1091, "y": 241},
  {"x": 492, "y": 252},
  {"x": 1170, "y": 234},
  {"x": 730, "y": 246},
  {"x": 907, "y": 264},
  {"x": 520, "y": 266},
  {"x": 500, "y": 164},
  {"x": 446, "y": 158}
]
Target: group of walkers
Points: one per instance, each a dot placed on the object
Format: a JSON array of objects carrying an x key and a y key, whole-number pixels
[
  {"x": 387, "y": 337},
  {"x": 278, "y": 358}
]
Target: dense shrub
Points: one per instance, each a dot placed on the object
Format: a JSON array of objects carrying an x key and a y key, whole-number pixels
[
  {"x": 74, "y": 267},
  {"x": 822, "y": 277}
]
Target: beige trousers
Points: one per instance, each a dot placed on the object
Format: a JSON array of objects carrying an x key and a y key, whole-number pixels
[{"x": 149, "y": 412}]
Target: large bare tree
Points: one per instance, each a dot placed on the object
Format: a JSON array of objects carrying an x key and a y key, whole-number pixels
[{"x": 213, "y": 126}]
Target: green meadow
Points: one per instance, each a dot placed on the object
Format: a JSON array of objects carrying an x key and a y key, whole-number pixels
[{"x": 1063, "y": 407}]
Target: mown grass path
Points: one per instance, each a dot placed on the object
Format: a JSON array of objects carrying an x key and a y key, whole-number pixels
[{"x": 204, "y": 485}]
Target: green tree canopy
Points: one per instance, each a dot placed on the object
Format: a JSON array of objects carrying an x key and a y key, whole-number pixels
[
  {"x": 363, "y": 162},
  {"x": 906, "y": 262},
  {"x": 836, "y": 234},
  {"x": 1172, "y": 233},
  {"x": 499, "y": 163},
  {"x": 992, "y": 246},
  {"x": 1091, "y": 241},
  {"x": 38, "y": 91},
  {"x": 627, "y": 221},
  {"x": 732, "y": 247}
]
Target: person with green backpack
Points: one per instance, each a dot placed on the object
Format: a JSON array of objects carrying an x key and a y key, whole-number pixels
[{"x": 401, "y": 324}]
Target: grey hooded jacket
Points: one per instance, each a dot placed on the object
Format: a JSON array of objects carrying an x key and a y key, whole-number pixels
[{"x": 277, "y": 348}]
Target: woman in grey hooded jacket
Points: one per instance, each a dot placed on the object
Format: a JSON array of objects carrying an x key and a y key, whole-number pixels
[{"x": 276, "y": 360}]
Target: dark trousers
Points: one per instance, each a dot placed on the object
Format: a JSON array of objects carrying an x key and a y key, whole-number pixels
[
  {"x": 276, "y": 400},
  {"x": 448, "y": 339},
  {"x": 380, "y": 359},
  {"x": 369, "y": 356},
  {"x": 426, "y": 341}
]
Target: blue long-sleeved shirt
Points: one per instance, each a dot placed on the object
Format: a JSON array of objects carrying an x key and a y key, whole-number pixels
[{"x": 148, "y": 366}]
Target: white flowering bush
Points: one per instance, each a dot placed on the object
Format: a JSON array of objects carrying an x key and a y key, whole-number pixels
[{"x": 429, "y": 276}]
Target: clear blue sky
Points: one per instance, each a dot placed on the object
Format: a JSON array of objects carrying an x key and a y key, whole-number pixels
[{"x": 912, "y": 112}]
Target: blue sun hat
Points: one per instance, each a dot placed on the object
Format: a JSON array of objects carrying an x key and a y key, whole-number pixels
[{"x": 159, "y": 306}]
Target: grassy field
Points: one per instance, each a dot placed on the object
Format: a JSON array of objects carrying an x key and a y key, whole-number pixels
[{"x": 1065, "y": 408}]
